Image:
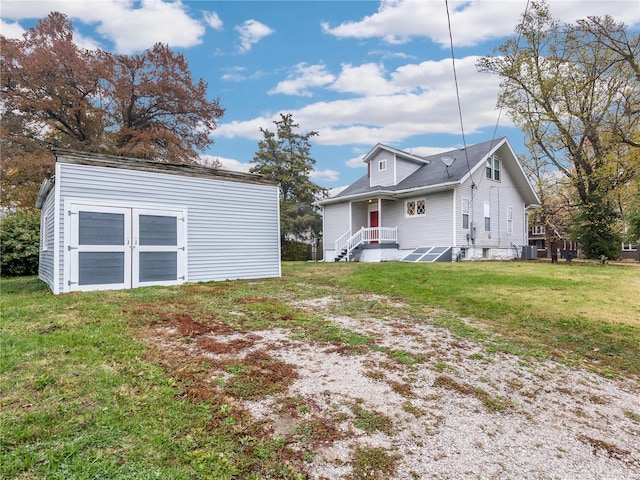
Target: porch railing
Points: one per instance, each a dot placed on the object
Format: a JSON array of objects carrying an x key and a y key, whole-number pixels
[{"x": 346, "y": 244}]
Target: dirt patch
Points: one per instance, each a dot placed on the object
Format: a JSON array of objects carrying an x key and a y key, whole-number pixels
[{"x": 413, "y": 402}]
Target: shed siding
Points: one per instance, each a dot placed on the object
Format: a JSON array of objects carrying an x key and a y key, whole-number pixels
[
  {"x": 46, "y": 257},
  {"x": 233, "y": 228}
]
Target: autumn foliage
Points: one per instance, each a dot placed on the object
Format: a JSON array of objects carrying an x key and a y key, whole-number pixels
[{"x": 55, "y": 94}]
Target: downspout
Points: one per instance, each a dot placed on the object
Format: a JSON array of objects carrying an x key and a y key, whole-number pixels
[
  {"x": 455, "y": 202},
  {"x": 472, "y": 229}
]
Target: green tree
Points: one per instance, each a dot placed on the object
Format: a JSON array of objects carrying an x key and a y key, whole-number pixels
[
  {"x": 575, "y": 92},
  {"x": 20, "y": 243},
  {"x": 285, "y": 156},
  {"x": 633, "y": 220}
]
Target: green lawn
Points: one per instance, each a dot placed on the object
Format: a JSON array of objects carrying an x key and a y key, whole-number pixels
[{"x": 84, "y": 396}]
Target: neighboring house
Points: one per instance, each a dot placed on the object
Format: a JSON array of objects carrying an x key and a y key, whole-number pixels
[
  {"x": 113, "y": 223},
  {"x": 560, "y": 244},
  {"x": 463, "y": 204},
  {"x": 630, "y": 251},
  {"x": 563, "y": 246}
]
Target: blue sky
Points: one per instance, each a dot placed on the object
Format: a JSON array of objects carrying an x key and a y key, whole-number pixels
[{"x": 358, "y": 72}]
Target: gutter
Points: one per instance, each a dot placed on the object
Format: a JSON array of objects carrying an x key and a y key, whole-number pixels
[
  {"x": 45, "y": 188},
  {"x": 390, "y": 194}
]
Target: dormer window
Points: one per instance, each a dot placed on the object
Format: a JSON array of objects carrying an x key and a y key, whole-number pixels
[
  {"x": 382, "y": 165},
  {"x": 493, "y": 168}
]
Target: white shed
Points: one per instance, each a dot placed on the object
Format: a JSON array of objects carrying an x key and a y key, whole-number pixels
[{"x": 113, "y": 222}]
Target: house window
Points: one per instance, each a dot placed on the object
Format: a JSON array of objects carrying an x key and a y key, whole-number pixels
[
  {"x": 487, "y": 217},
  {"x": 629, "y": 247},
  {"x": 382, "y": 165},
  {"x": 509, "y": 220},
  {"x": 492, "y": 168},
  {"x": 44, "y": 246},
  {"x": 416, "y": 208},
  {"x": 465, "y": 214},
  {"x": 538, "y": 230}
]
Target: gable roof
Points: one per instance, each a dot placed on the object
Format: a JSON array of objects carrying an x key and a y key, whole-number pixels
[
  {"x": 434, "y": 174},
  {"x": 400, "y": 153}
]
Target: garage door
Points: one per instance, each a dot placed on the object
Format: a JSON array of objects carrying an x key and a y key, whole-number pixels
[{"x": 116, "y": 247}]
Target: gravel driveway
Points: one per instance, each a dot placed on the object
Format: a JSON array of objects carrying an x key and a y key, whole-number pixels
[{"x": 424, "y": 404}]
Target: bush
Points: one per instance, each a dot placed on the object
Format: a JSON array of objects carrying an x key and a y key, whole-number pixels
[
  {"x": 294, "y": 251},
  {"x": 20, "y": 243}
]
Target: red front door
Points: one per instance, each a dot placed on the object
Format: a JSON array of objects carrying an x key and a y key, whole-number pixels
[{"x": 373, "y": 223}]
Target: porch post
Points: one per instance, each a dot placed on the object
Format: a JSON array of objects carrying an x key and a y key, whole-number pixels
[{"x": 379, "y": 215}]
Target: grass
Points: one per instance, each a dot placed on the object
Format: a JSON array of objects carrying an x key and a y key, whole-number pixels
[
  {"x": 576, "y": 313},
  {"x": 85, "y": 396}
]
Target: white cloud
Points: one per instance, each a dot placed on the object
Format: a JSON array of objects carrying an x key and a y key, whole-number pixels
[
  {"x": 237, "y": 74},
  {"x": 471, "y": 21},
  {"x": 227, "y": 163},
  {"x": 426, "y": 103},
  {"x": 365, "y": 79},
  {"x": 251, "y": 32},
  {"x": 427, "y": 151},
  {"x": 130, "y": 26},
  {"x": 87, "y": 43},
  {"x": 11, "y": 29},
  {"x": 213, "y": 20},
  {"x": 155, "y": 21},
  {"x": 326, "y": 175},
  {"x": 356, "y": 162},
  {"x": 302, "y": 79}
]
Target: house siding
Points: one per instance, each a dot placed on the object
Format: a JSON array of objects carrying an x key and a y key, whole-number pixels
[
  {"x": 386, "y": 177},
  {"x": 359, "y": 216},
  {"x": 233, "y": 227},
  {"x": 433, "y": 229},
  {"x": 499, "y": 195},
  {"x": 336, "y": 223},
  {"x": 404, "y": 168}
]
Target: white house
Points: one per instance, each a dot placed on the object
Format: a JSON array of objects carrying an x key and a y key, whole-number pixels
[
  {"x": 463, "y": 204},
  {"x": 113, "y": 223}
]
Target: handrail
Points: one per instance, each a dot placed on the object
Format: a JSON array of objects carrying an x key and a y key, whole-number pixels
[
  {"x": 366, "y": 235},
  {"x": 340, "y": 241}
]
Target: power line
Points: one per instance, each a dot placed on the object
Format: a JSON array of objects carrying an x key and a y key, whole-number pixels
[{"x": 455, "y": 79}]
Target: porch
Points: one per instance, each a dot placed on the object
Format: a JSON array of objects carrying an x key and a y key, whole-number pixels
[{"x": 351, "y": 244}]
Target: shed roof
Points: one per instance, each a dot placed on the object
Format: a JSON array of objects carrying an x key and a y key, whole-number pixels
[{"x": 130, "y": 163}]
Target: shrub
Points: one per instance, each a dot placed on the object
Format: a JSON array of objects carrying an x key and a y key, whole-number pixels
[
  {"x": 294, "y": 251},
  {"x": 20, "y": 243}
]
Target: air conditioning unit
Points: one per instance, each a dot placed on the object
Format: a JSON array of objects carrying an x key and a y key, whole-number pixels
[{"x": 529, "y": 252}]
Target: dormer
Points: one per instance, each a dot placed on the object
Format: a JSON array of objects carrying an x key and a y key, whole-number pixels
[{"x": 388, "y": 166}]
